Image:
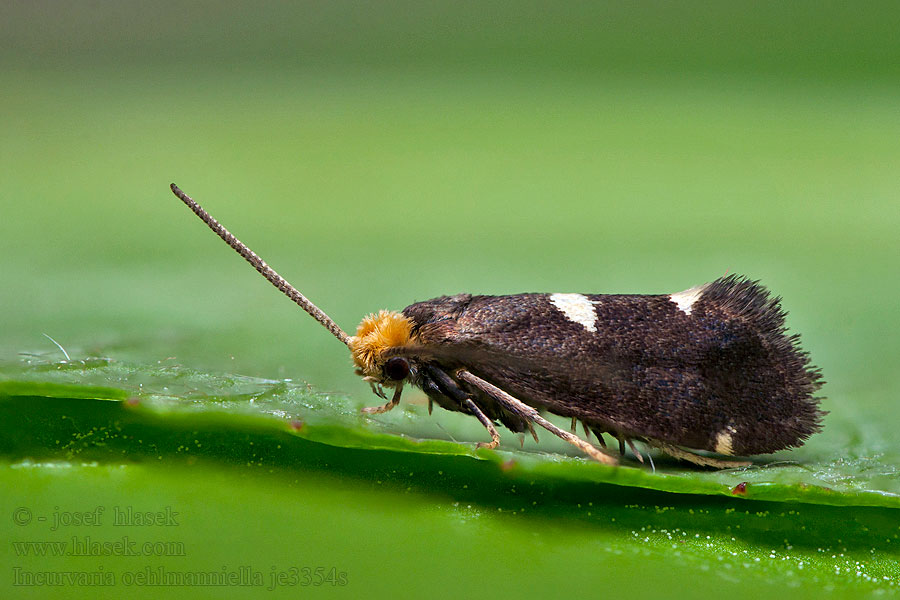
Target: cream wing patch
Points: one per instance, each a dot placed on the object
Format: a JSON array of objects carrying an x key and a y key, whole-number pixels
[
  {"x": 577, "y": 308},
  {"x": 724, "y": 439},
  {"x": 685, "y": 300}
]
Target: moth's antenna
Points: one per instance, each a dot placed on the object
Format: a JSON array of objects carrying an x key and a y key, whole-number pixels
[{"x": 265, "y": 270}]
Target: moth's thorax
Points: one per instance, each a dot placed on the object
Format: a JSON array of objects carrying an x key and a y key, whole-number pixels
[{"x": 374, "y": 336}]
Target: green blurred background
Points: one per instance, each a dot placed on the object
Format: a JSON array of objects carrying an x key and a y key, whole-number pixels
[{"x": 377, "y": 154}]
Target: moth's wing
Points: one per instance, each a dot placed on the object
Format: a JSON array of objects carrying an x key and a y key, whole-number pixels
[
  {"x": 523, "y": 345},
  {"x": 642, "y": 366}
]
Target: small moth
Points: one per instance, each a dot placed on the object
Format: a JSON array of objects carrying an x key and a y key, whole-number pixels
[{"x": 710, "y": 368}]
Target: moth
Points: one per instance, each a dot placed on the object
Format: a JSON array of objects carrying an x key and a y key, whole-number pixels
[{"x": 710, "y": 369}]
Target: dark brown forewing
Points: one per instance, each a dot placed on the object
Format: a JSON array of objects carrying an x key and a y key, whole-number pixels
[{"x": 648, "y": 369}]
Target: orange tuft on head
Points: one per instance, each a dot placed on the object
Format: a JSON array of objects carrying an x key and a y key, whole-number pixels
[{"x": 376, "y": 334}]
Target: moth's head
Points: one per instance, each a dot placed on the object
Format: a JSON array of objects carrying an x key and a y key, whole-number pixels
[{"x": 374, "y": 337}]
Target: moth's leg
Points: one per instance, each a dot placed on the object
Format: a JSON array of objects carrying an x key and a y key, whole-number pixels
[
  {"x": 394, "y": 401},
  {"x": 377, "y": 389},
  {"x": 584, "y": 427},
  {"x": 430, "y": 388},
  {"x": 528, "y": 413},
  {"x": 451, "y": 389},
  {"x": 533, "y": 432},
  {"x": 495, "y": 437},
  {"x": 587, "y": 432},
  {"x": 635, "y": 451},
  {"x": 599, "y": 435},
  {"x": 697, "y": 459},
  {"x": 640, "y": 456}
]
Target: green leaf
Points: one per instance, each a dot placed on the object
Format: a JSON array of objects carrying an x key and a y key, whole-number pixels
[
  {"x": 308, "y": 473},
  {"x": 177, "y": 397}
]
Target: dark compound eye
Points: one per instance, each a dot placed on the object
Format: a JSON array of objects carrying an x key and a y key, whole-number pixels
[{"x": 396, "y": 368}]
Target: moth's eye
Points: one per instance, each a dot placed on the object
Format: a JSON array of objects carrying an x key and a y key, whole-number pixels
[{"x": 396, "y": 368}]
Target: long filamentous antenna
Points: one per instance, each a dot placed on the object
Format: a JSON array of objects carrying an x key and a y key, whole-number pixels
[{"x": 260, "y": 265}]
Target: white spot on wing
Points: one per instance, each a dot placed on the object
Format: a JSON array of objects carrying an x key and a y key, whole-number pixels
[
  {"x": 577, "y": 308},
  {"x": 685, "y": 300},
  {"x": 724, "y": 439}
]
